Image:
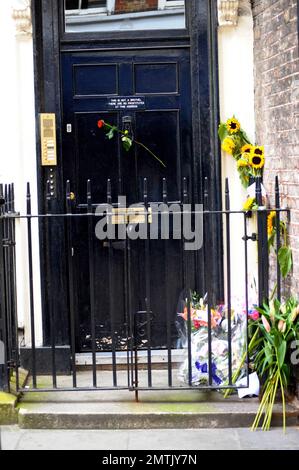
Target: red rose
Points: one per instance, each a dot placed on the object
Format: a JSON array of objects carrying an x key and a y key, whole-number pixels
[{"x": 101, "y": 123}]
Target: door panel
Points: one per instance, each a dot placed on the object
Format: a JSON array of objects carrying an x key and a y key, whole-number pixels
[{"x": 161, "y": 79}]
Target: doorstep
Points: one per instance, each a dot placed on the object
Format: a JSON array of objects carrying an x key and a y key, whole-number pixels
[
  {"x": 155, "y": 410},
  {"x": 159, "y": 359},
  {"x": 8, "y": 401},
  {"x": 163, "y": 410},
  {"x": 8, "y": 411}
]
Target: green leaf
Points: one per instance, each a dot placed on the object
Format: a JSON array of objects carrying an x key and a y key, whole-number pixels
[
  {"x": 281, "y": 353},
  {"x": 222, "y": 131},
  {"x": 244, "y": 179},
  {"x": 245, "y": 137},
  {"x": 271, "y": 240},
  {"x": 286, "y": 373},
  {"x": 285, "y": 260},
  {"x": 110, "y": 134},
  {"x": 127, "y": 143},
  {"x": 277, "y": 305},
  {"x": 268, "y": 352}
]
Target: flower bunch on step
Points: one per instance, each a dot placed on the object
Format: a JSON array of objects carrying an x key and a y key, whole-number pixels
[
  {"x": 274, "y": 336},
  {"x": 275, "y": 344},
  {"x": 250, "y": 158},
  {"x": 195, "y": 316}
]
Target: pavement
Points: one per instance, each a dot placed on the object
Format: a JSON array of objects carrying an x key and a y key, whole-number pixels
[{"x": 14, "y": 438}]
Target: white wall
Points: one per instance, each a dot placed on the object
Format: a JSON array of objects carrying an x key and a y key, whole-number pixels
[
  {"x": 18, "y": 154},
  {"x": 237, "y": 98}
]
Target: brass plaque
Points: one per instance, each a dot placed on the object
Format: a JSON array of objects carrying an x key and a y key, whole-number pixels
[
  {"x": 48, "y": 139},
  {"x": 131, "y": 215}
]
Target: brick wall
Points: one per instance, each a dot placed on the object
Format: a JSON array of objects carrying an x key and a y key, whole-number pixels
[
  {"x": 129, "y": 6},
  {"x": 276, "y": 102}
]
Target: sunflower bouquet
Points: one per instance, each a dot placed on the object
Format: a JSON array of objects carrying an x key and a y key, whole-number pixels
[{"x": 250, "y": 158}]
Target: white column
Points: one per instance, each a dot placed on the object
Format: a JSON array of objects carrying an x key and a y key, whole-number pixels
[
  {"x": 236, "y": 80},
  {"x": 18, "y": 153}
]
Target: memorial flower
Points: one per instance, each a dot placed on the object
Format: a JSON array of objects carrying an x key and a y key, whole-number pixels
[
  {"x": 126, "y": 139},
  {"x": 250, "y": 158},
  {"x": 198, "y": 312},
  {"x": 271, "y": 355},
  {"x": 233, "y": 125}
]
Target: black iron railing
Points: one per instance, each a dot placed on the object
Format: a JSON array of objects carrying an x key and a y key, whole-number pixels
[{"x": 140, "y": 326}]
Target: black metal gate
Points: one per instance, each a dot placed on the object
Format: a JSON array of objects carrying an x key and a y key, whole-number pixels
[{"x": 128, "y": 355}]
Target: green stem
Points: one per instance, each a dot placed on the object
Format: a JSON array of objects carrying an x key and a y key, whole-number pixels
[
  {"x": 273, "y": 292},
  {"x": 243, "y": 359},
  {"x": 149, "y": 151},
  {"x": 268, "y": 406},
  {"x": 261, "y": 406},
  {"x": 272, "y": 401},
  {"x": 285, "y": 236},
  {"x": 123, "y": 134},
  {"x": 283, "y": 403}
]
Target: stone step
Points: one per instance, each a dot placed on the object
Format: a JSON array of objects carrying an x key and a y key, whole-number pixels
[
  {"x": 155, "y": 410},
  {"x": 46, "y": 419},
  {"x": 117, "y": 409}
]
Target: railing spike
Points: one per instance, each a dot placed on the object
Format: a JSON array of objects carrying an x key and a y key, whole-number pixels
[
  {"x": 109, "y": 191},
  {"x": 13, "y": 197},
  {"x": 206, "y": 193},
  {"x": 68, "y": 189},
  {"x": 165, "y": 196},
  {"x": 68, "y": 196},
  {"x": 28, "y": 198},
  {"x": 89, "y": 195},
  {"x": 9, "y": 197},
  {"x": 258, "y": 191},
  {"x": 2, "y": 198},
  {"x": 277, "y": 193},
  {"x": 145, "y": 188},
  {"x": 227, "y": 195},
  {"x": 185, "y": 190},
  {"x": 88, "y": 189}
]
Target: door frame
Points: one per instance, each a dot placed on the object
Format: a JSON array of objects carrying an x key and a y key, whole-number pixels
[{"x": 50, "y": 41}]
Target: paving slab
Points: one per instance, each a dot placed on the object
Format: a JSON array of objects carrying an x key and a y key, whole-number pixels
[{"x": 14, "y": 438}]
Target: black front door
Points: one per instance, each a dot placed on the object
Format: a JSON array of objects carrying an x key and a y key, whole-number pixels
[{"x": 100, "y": 86}]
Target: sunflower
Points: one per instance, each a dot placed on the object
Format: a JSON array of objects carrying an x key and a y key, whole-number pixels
[
  {"x": 242, "y": 162},
  {"x": 248, "y": 204},
  {"x": 228, "y": 145},
  {"x": 233, "y": 126},
  {"x": 259, "y": 151},
  {"x": 247, "y": 148},
  {"x": 257, "y": 158},
  {"x": 270, "y": 219}
]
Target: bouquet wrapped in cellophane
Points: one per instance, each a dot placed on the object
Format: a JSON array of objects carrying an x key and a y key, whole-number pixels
[{"x": 219, "y": 339}]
